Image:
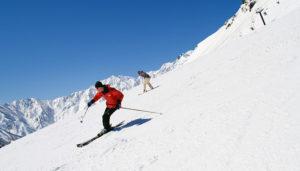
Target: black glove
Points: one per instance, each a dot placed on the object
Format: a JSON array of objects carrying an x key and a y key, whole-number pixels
[
  {"x": 90, "y": 103},
  {"x": 118, "y": 106}
]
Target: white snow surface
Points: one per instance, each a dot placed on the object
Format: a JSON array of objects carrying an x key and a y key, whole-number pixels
[{"x": 233, "y": 105}]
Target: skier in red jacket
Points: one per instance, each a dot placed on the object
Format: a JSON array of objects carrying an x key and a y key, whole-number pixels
[{"x": 113, "y": 99}]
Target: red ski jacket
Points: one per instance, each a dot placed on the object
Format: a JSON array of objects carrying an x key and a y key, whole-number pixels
[{"x": 112, "y": 97}]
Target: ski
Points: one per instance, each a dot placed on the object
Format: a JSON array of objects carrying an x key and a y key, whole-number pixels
[
  {"x": 148, "y": 90},
  {"x": 103, "y": 132}
]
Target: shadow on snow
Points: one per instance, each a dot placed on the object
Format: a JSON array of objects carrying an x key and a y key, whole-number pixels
[{"x": 136, "y": 122}]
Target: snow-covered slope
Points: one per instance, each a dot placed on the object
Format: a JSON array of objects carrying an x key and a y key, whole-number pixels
[
  {"x": 245, "y": 22},
  {"x": 233, "y": 106}
]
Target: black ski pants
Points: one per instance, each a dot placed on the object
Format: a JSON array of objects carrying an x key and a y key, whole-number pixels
[{"x": 106, "y": 116}]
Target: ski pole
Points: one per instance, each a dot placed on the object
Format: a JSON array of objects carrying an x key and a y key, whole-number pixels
[
  {"x": 140, "y": 110},
  {"x": 84, "y": 115}
]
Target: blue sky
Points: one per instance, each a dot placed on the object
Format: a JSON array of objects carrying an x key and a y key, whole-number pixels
[{"x": 52, "y": 48}]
